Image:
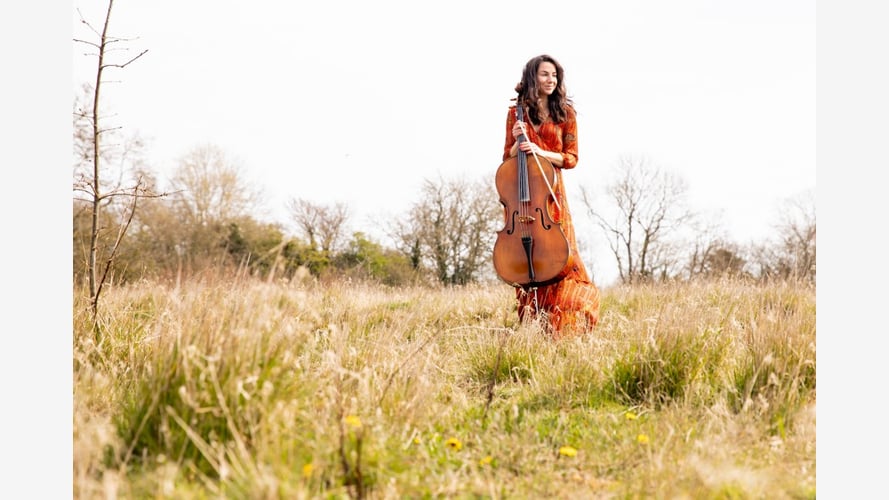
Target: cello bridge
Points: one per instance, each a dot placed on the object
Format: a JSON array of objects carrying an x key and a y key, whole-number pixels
[{"x": 526, "y": 219}]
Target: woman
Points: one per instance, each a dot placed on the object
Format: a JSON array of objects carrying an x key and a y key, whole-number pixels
[{"x": 570, "y": 305}]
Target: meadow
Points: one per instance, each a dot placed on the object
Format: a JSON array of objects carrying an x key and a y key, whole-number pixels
[{"x": 260, "y": 390}]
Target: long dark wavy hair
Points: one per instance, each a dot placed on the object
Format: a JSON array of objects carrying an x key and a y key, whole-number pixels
[{"x": 528, "y": 91}]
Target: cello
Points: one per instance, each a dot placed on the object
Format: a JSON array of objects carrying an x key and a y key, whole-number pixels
[{"x": 531, "y": 249}]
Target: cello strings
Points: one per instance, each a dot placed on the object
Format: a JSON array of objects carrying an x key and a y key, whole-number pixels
[{"x": 524, "y": 185}]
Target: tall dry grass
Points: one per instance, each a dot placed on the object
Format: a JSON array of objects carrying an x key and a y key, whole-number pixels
[{"x": 255, "y": 390}]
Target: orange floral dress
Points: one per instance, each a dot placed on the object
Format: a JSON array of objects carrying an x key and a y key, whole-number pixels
[{"x": 571, "y": 305}]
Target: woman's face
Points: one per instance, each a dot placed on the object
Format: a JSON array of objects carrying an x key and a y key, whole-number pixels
[{"x": 547, "y": 79}]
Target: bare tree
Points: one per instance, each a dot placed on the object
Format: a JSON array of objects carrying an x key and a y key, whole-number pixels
[
  {"x": 451, "y": 229},
  {"x": 714, "y": 258},
  {"x": 710, "y": 254},
  {"x": 650, "y": 207},
  {"x": 211, "y": 187},
  {"x": 211, "y": 192},
  {"x": 90, "y": 183},
  {"x": 324, "y": 226},
  {"x": 792, "y": 256},
  {"x": 797, "y": 228}
]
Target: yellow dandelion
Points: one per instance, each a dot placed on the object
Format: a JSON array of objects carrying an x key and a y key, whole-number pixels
[
  {"x": 307, "y": 470},
  {"x": 353, "y": 421},
  {"x": 454, "y": 444},
  {"x": 486, "y": 461},
  {"x": 417, "y": 440},
  {"x": 631, "y": 416},
  {"x": 642, "y": 439},
  {"x": 568, "y": 451}
]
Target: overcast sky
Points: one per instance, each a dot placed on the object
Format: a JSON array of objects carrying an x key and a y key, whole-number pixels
[{"x": 329, "y": 100}]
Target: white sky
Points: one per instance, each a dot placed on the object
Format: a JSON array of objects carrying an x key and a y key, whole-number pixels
[{"x": 328, "y": 100}]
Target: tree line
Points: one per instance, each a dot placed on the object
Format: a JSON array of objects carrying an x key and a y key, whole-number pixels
[{"x": 204, "y": 223}]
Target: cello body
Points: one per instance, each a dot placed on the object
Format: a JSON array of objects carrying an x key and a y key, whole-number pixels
[{"x": 531, "y": 249}]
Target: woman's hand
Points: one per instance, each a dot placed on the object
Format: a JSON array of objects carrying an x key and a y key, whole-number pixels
[
  {"x": 530, "y": 147},
  {"x": 517, "y": 129},
  {"x": 533, "y": 149}
]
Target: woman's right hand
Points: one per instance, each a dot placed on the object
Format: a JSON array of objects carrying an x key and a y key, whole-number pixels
[{"x": 517, "y": 130}]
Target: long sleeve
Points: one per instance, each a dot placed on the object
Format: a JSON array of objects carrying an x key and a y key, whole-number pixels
[
  {"x": 510, "y": 140},
  {"x": 569, "y": 140}
]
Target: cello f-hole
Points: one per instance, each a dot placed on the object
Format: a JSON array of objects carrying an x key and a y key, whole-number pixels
[
  {"x": 512, "y": 222},
  {"x": 543, "y": 223}
]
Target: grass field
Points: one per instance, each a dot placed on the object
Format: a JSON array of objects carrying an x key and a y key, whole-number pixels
[{"x": 255, "y": 390}]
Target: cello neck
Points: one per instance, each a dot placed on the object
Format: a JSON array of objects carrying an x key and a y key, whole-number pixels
[{"x": 524, "y": 189}]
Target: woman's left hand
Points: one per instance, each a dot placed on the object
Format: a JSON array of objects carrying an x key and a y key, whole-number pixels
[{"x": 530, "y": 147}]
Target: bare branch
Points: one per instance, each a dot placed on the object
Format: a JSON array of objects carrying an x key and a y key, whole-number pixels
[
  {"x": 87, "y": 42},
  {"x": 87, "y": 24},
  {"x": 122, "y": 230},
  {"x": 126, "y": 63}
]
